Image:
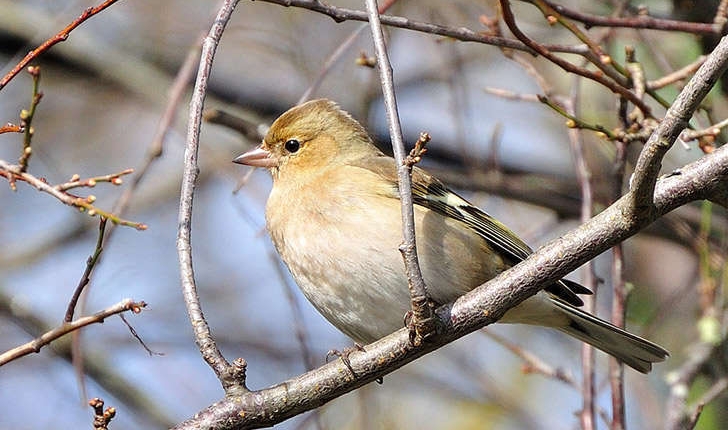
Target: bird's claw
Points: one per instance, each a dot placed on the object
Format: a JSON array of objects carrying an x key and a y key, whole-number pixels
[{"x": 344, "y": 355}]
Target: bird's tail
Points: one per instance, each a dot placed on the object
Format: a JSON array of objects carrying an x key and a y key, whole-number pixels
[{"x": 631, "y": 350}]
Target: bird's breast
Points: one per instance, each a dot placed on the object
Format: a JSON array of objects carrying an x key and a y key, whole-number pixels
[{"x": 341, "y": 246}]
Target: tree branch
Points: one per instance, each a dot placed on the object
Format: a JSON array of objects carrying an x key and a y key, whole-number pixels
[
  {"x": 421, "y": 312},
  {"x": 480, "y": 307},
  {"x": 340, "y": 14},
  {"x": 676, "y": 119},
  {"x": 231, "y": 376},
  {"x": 36, "y": 344}
]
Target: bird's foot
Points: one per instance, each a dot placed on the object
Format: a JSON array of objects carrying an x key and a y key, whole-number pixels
[
  {"x": 344, "y": 355},
  {"x": 421, "y": 321}
]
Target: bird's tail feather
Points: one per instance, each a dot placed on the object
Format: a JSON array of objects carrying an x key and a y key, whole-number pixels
[{"x": 632, "y": 350}]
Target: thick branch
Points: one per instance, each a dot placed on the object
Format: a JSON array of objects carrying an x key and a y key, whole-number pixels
[
  {"x": 480, "y": 307},
  {"x": 676, "y": 119}
]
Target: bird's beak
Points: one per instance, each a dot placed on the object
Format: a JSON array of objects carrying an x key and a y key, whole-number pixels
[{"x": 257, "y": 157}]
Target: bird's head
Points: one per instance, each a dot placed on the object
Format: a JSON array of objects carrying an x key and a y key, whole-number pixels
[{"x": 307, "y": 138}]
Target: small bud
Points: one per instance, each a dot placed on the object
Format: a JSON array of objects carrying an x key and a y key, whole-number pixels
[
  {"x": 24, "y": 114},
  {"x": 571, "y": 123},
  {"x": 28, "y": 150},
  {"x": 75, "y": 177},
  {"x": 605, "y": 59},
  {"x": 92, "y": 182},
  {"x": 117, "y": 181},
  {"x": 551, "y": 20},
  {"x": 92, "y": 212},
  {"x": 91, "y": 198}
]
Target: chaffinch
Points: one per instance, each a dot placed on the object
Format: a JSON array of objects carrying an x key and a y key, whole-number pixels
[{"x": 334, "y": 216}]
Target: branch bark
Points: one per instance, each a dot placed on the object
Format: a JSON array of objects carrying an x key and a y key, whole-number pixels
[
  {"x": 480, "y": 307},
  {"x": 231, "y": 376},
  {"x": 705, "y": 178}
]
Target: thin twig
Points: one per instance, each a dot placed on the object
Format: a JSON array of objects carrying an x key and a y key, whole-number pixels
[
  {"x": 86, "y": 277},
  {"x": 77, "y": 182},
  {"x": 60, "y": 37},
  {"x": 534, "y": 364},
  {"x": 26, "y": 116},
  {"x": 11, "y": 128},
  {"x": 681, "y": 380},
  {"x": 712, "y": 130},
  {"x": 616, "y": 368},
  {"x": 545, "y": 52},
  {"x": 678, "y": 75},
  {"x": 338, "y": 53},
  {"x": 718, "y": 388},
  {"x": 14, "y": 172},
  {"x": 587, "y": 415},
  {"x": 230, "y": 375},
  {"x": 340, "y": 14},
  {"x": 36, "y": 344},
  {"x": 641, "y": 21},
  {"x": 421, "y": 311}
]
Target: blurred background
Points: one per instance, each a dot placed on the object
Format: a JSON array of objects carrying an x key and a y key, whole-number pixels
[{"x": 105, "y": 90}]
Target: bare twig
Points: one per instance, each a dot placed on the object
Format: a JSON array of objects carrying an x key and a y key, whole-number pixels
[
  {"x": 641, "y": 21},
  {"x": 534, "y": 364},
  {"x": 338, "y": 53},
  {"x": 680, "y": 382},
  {"x": 677, "y": 75},
  {"x": 421, "y": 310},
  {"x": 86, "y": 277},
  {"x": 26, "y": 116},
  {"x": 232, "y": 377},
  {"x": 11, "y": 128},
  {"x": 60, "y": 37},
  {"x": 676, "y": 119},
  {"x": 36, "y": 344},
  {"x": 511, "y": 95},
  {"x": 576, "y": 123},
  {"x": 14, "y": 172},
  {"x": 712, "y": 131},
  {"x": 77, "y": 182},
  {"x": 718, "y": 388},
  {"x": 340, "y": 14},
  {"x": 545, "y": 52},
  {"x": 587, "y": 415}
]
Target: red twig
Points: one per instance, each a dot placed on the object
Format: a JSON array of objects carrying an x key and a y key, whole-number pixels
[
  {"x": 60, "y": 37},
  {"x": 11, "y": 128},
  {"x": 640, "y": 21},
  {"x": 510, "y": 21}
]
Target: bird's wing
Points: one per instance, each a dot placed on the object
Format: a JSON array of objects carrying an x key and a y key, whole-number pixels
[{"x": 432, "y": 194}]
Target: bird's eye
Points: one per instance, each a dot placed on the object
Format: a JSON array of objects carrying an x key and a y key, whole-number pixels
[{"x": 292, "y": 145}]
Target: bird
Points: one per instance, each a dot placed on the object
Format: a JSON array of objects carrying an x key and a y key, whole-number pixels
[{"x": 334, "y": 217}]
